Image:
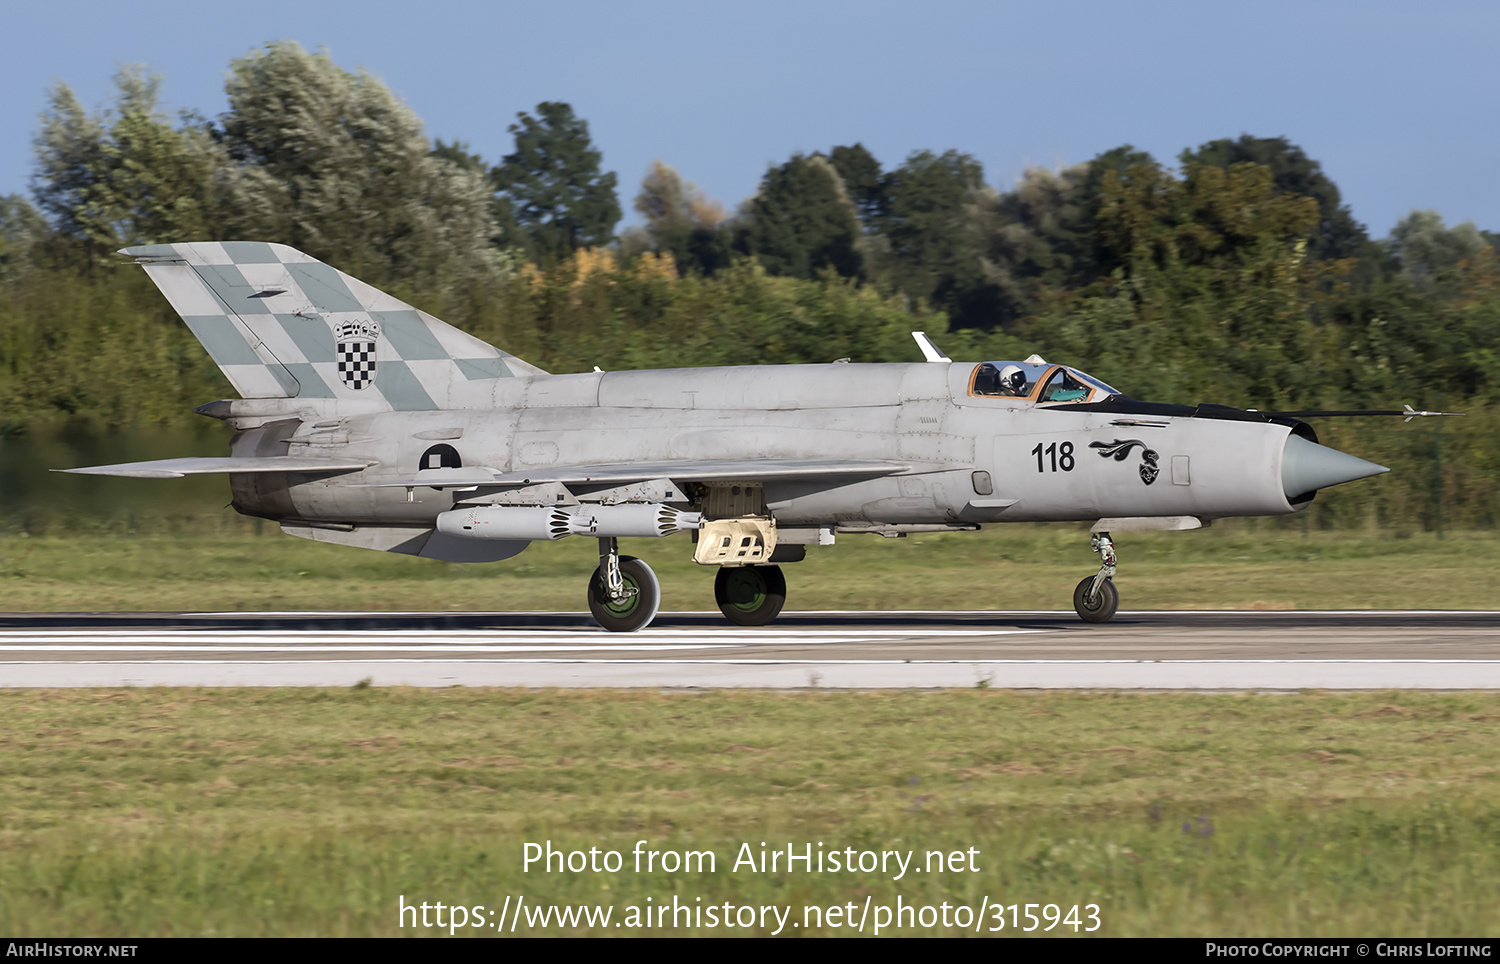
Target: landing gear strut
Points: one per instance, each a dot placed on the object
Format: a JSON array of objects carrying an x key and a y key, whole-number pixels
[
  {"x": 1096, "y": 599},
  {"x": 623, "y": 591},
  {"x": 750, "y": 595}
]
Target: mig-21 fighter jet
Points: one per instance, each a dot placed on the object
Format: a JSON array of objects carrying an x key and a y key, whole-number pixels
[{"x": 366, "y": 422}]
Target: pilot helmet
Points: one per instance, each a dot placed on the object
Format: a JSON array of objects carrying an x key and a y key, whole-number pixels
[{"x": 1013, "y": 379}]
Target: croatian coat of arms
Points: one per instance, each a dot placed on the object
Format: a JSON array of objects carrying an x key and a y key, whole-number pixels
[{"x": 355, "y": 352}]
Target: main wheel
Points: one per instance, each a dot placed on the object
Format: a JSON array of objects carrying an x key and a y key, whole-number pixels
[
  {"x": 750, "y": 595},
  {"x": 1102, "y": 606},
  {"x": 633, "y": 612}
]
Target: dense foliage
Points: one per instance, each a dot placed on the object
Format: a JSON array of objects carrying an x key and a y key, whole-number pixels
[{"x": 1238, "y": 277}]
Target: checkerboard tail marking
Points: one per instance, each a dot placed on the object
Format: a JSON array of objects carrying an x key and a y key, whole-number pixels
[{"x": 281, "y": 324}]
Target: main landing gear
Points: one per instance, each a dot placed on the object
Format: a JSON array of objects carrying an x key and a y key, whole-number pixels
[
  {"x": 750, "y": 595},
  {"x": 623, "y": 592},
  {"x": 1096, "y": 599}
]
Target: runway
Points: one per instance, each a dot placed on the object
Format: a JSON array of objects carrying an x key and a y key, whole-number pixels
[{"x": 860, "y": 650}]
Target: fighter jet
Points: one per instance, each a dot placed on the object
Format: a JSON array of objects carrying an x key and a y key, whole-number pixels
[{"x": 366, "y": 422}]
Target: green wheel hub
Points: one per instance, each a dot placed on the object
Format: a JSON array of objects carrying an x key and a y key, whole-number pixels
[
  {"x": 633, "y": 612},
  {"x": 750, "y": 595},
  {"x": 623, "y": 607},
  {"x": 745, "y": 589}
]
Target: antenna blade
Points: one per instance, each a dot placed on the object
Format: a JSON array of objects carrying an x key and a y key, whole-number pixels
[{"x": 930, "y": 351}]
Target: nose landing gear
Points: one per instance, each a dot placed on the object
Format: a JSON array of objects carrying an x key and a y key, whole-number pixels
[{"x": 1096, "y": 599}]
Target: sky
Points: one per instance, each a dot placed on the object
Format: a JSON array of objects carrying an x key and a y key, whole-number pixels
[{"x": 1397, "y": 100}]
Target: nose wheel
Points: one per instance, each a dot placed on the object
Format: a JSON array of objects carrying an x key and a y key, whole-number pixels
[
  {"x": 623, "y": 592},
  {"x": 750, "y": 595},
  {"x": 1096, "y": 599}
]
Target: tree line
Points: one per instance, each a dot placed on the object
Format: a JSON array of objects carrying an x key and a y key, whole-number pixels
[{"x": 1235, "y": 275}]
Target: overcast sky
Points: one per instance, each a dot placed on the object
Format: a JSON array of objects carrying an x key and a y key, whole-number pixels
[{"x": 1396, "y": 99}]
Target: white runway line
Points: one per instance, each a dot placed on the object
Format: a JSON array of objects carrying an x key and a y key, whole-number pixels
[
  {"x": 598, "y": 634},
  {"x": 366, "y": 648},
  {"x": 858, "y": 613},
  {"x": 406, "y": 641},
  {"x": 1233, "y": 675},
  {"x": 588, "y": 657}
]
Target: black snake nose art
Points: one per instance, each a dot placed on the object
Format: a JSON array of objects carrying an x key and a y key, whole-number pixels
[{"x": 1120, "y": 449}]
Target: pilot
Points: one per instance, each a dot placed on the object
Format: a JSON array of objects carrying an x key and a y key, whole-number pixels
[{"x": 1012, "y": 381}]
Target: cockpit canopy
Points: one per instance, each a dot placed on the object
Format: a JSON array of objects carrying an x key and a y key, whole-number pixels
[{"x": 1037, "y": 382}]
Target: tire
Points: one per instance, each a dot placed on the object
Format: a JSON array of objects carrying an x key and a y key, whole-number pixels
[
  {"x": 1101, "y": 607},
  {"x": 750, "y": 595},
  {"x": 634, "y": 612}
]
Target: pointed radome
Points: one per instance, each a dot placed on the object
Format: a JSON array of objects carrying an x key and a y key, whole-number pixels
[{"x": 1307, "y": 466}]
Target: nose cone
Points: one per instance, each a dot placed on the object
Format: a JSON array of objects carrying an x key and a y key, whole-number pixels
[{"x": 1307, "y": 466}]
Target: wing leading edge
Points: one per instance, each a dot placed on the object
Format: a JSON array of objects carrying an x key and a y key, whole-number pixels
[
  {"x": 177, "y": 468},
  {"x": 746, "y": 470},
  {"x": 756, "y": 470}
]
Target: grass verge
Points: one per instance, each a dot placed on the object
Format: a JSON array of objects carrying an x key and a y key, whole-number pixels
[
  {"x": 1237, "y": 564},
  {"x": 312, "y": 812}
]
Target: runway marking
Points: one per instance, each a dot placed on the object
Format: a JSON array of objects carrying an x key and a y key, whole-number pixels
[
  {"x": 936, "y": 614},
  {"x": 794, "y": 674},
  {"x": 382, "y": 641},
  {"x": 939, "y": 613},
  {"x": 370, "y": 648},
  {"x": 790, "y": 660},
  {"x": 569, "y": 652},
  {"x": 726, "y": 632}
]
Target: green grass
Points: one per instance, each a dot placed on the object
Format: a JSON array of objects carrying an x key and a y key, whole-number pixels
[
  {"x": 275, "y": 812},
  {"x": 266, "y": 812},
  {"x": 1237, "y": 564}
]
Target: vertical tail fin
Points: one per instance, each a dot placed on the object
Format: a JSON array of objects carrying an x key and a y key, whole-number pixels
[{"x": 281, "y": 324}]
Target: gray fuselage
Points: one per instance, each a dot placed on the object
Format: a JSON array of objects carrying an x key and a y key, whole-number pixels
[{"x": 969, "y": 458}]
